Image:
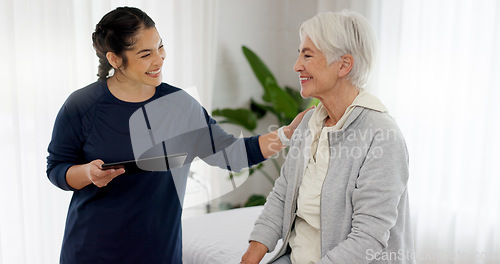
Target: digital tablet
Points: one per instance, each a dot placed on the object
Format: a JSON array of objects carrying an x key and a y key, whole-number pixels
[{"x": 161, "y": 163}]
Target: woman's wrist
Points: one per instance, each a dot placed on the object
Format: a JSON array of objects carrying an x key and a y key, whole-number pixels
[
  {"x": 288, "y": 130},
  {"x": 254, "y": 253},
  {"x": 77, "y": 176},
  {"x": 284, "y": 134}
]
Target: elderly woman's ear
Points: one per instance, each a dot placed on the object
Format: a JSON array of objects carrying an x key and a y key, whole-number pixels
[{"x": 345, "y": 66}]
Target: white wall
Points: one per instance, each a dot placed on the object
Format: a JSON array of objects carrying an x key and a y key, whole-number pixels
[{"x": 270, "y": 29}]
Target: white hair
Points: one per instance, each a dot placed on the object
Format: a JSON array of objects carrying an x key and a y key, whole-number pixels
[{"x": 346, "y": 32}]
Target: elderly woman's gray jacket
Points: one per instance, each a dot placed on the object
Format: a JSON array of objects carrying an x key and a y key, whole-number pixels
[{"x": 364, "y": 214}]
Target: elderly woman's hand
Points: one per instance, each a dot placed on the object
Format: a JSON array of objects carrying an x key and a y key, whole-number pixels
[{"x": 254, "y": 254}]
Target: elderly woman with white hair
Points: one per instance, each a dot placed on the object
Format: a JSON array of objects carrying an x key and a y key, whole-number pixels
[{"x": 342, "y": 194}]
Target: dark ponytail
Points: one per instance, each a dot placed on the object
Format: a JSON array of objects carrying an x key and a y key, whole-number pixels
[{"x": 116, "y": 33}]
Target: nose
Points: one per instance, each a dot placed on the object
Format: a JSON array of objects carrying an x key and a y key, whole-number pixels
[
  {"x": 160, "y": 57},
  {"x": 299, "y": 66}
]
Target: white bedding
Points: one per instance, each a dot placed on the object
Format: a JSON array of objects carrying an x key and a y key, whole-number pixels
[{"x": 219, "y": 238}]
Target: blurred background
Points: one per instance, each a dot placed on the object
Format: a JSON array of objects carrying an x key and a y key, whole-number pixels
[{"x": 437, "y": 71}]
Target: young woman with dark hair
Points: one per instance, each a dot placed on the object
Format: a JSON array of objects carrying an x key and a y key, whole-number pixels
[{"x": 118, "y": 216}]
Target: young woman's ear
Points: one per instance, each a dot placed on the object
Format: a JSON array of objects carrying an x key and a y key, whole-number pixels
[
  {"x": 114, "y": 60},
  {"x": 347, "y": 61}
]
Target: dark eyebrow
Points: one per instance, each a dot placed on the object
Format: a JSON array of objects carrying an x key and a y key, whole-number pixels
[
  {"x": 148, "y": 50},
  {"x": 144, "y": 50}
]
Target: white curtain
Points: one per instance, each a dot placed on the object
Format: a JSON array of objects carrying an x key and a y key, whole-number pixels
[
  {"x": 438, "y": 73},
  {"x": 47, "y": 54}
]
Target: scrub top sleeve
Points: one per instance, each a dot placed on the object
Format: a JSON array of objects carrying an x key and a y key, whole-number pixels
[
  {"x": 64, "y": 149},
  {"x": 221, "y": 138}
]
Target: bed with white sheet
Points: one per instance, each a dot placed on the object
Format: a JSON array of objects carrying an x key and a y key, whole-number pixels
[{"x": 219, "y": 238}]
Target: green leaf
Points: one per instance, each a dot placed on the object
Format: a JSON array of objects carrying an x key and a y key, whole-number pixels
[
  {"x": 255, "y": 168},
  {"x": 261, "y": 71},
  {"x": 282, "y": 101},
  {"x": 242, "y": 117},
  {"x": 255, "y": 200},
  {"x": 272, "y": 110},
  {"x": 301, "y": 101},
  {"x": 259, "y": 110},
  {"x": 313, "y": 101}
]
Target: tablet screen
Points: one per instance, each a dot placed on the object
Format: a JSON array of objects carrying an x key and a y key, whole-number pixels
[{"x": 161, "y": 163}]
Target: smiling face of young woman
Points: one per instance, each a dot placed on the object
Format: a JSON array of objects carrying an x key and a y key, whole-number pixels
[{"x": 144, "y": 60}]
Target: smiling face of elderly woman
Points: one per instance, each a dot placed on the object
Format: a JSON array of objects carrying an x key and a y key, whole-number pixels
[
  {"x": 317, "y": 77},
  {"x": 326, "y": 40}
]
